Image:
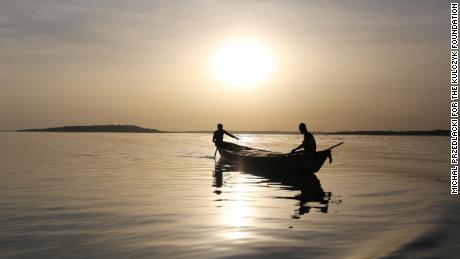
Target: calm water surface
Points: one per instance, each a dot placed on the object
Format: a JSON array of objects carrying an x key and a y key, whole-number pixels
[{"x": 98, "y": 195}]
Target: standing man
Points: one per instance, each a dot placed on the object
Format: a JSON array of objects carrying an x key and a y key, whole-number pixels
[{"x": 218, "y": 137}]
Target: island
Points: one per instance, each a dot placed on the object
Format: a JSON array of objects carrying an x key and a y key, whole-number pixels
[{"x": 97, "y": 128}]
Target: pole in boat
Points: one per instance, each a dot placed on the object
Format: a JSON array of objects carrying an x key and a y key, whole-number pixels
[
  {"x": 215, "y": 152},
  {"x": 301, "y": 151},
  {"x": 335, "y": 146}
]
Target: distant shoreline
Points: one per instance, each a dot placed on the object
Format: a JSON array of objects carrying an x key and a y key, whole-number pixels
[
  {"x": 392, "y": 133},
  {"x": 137, "y": 129},
  {"x": 97, "y": 128},
  {"x": 358, "y": 132}
]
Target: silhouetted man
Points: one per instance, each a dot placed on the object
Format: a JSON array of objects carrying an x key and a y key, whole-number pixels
[
  {"x": 308, "y": 143},
  {"x": 218, "y": 137}
]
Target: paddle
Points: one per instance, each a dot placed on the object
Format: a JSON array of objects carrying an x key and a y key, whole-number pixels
[
  {"x": 335, "y": 146},
  {"x": 303, "y": 151}
]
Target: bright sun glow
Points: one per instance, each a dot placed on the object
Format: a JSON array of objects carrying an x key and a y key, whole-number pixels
[{"x": 243, "y": 63}]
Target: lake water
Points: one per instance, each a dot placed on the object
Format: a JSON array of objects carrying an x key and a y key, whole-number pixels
[{"x": 110, "y": 195}]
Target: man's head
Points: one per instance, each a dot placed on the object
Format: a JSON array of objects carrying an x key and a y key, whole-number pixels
[
  {"x": 220, "y": 126},
  {"x": 302, "y": 128}
]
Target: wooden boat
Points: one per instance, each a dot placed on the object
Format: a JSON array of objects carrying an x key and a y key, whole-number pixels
[{"x": 246, "y": 157}]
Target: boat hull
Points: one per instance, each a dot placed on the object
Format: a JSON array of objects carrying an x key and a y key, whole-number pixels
[{"x": 245, "y": 157}]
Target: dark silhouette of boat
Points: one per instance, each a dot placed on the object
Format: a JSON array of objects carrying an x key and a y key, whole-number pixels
[{"x": 247, "y": 157}]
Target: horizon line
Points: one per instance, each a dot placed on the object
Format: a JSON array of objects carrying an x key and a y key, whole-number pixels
[{"x": 276, "y": 131}]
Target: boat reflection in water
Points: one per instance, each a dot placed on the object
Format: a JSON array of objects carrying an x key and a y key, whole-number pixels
[{"x": 311, "y": 196}]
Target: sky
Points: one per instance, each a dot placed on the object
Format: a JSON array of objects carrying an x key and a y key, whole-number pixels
[{"x": 337, "y": 65}]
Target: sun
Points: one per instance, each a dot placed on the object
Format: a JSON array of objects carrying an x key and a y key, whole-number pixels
[{"x": 243, "y": 63}]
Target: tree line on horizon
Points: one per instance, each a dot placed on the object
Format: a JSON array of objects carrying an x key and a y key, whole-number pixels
[{"x": 137, "y": 129}]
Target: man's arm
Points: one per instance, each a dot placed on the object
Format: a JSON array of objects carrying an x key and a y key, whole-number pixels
[
  {"x": 228, "y": 133},
  {"x": 214, "y": 137},
  {"x": 297, "y": 148}
]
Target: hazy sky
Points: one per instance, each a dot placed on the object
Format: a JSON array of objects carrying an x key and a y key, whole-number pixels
[{"x": 339, "y": 65}]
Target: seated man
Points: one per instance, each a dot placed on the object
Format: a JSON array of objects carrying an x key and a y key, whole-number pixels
[
  {"x": 308, "y": 143},
  {"x": 218, "y": 137}
]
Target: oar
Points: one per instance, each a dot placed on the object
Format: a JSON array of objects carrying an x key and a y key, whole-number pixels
[
  {"x": 335, "y": 146},
  {"x": 303, "y": 151},
  {"x": 215, "y": 153}
]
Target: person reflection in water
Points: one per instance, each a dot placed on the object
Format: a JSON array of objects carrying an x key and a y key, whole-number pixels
[
  {"x": 308, "y": 143},
  {"x": 218, "y": 137}
]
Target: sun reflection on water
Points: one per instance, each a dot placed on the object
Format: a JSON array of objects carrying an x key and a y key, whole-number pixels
[
  {"x": 238, "y": 214},
  {"x": 245, "y": 140},
  {"x": 236, "y": 234}
]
